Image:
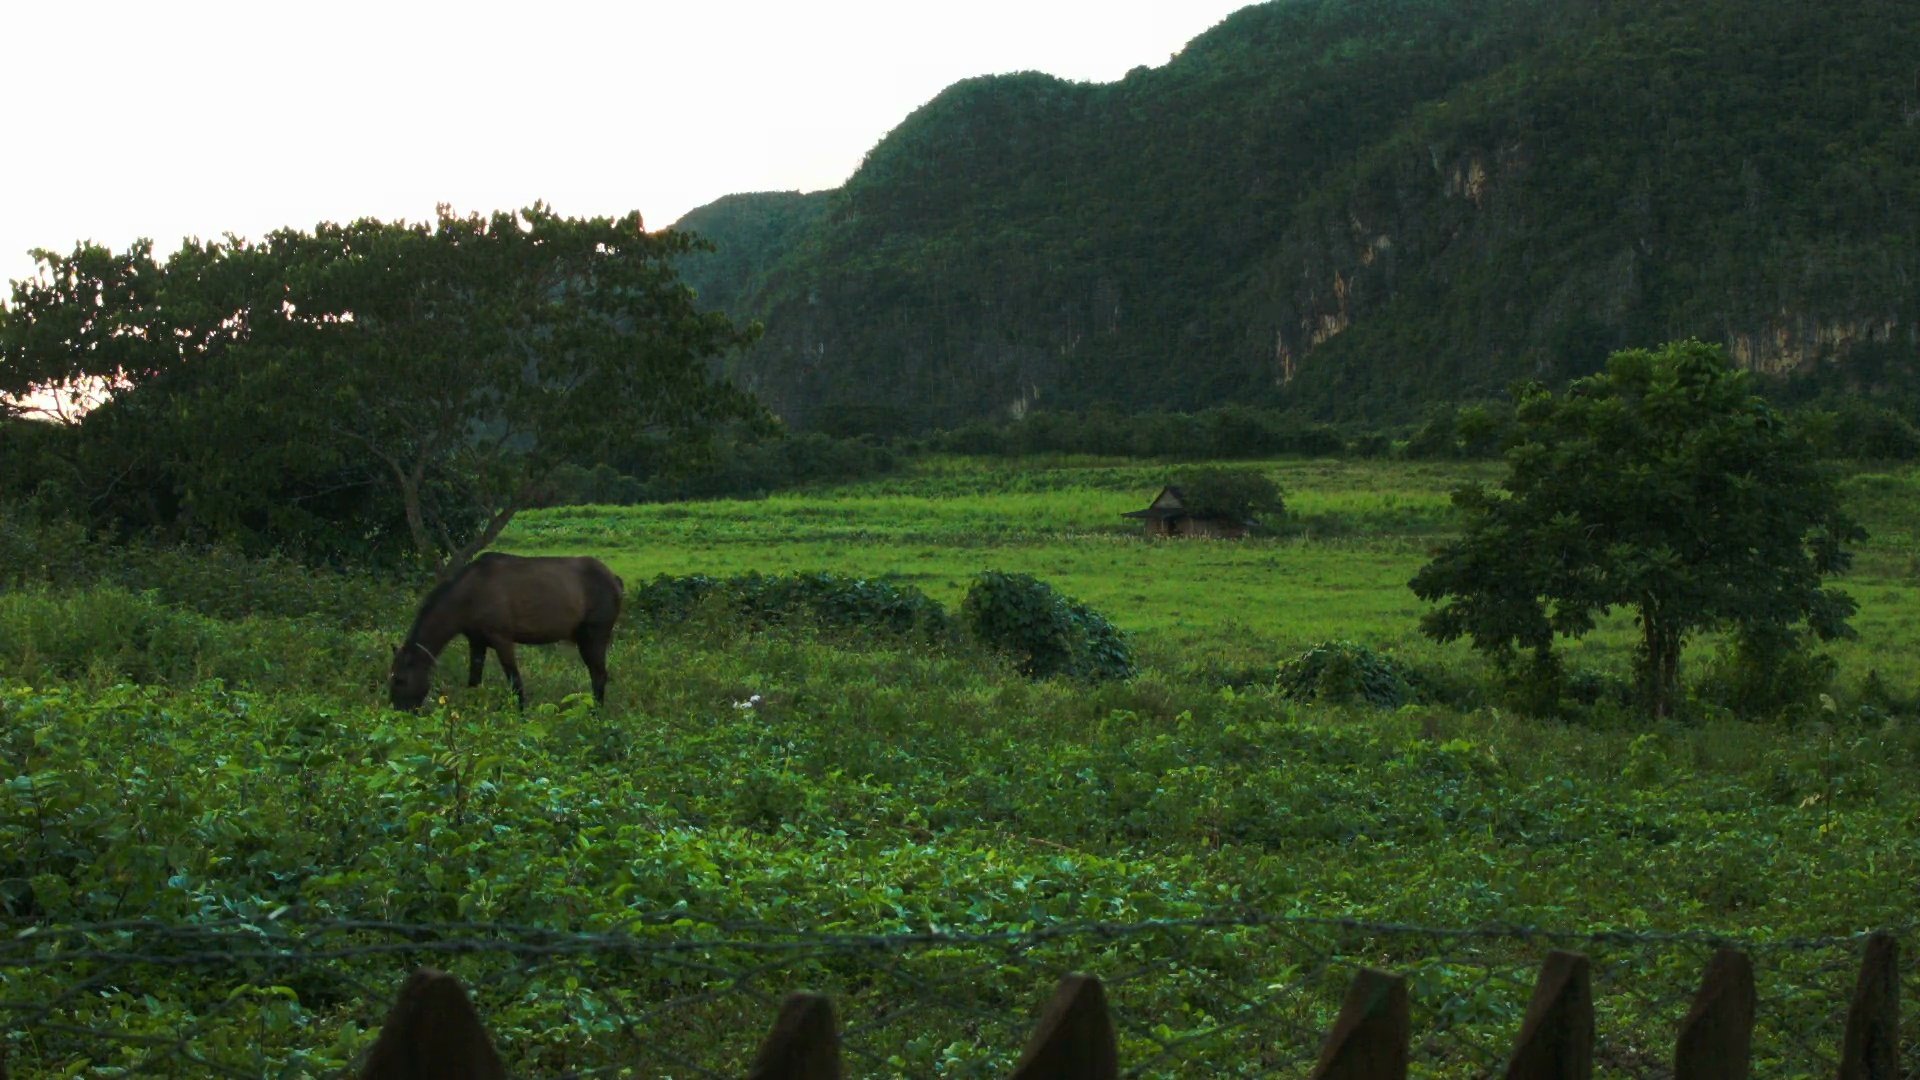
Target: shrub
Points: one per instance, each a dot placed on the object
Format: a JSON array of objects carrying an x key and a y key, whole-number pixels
[
  {"x": 35, "y": 550},
  {"x": 1462, "y": 432},
  {"x": 821, "y": 600},
  {"x": 217, "y": 581},
  {"x": 1760, "y": 676},
  {"x": 1046, "y": 633},
  {"x": 839, "y": 602},
  {"x": 602, "y": 485},
  {"x": 668, "y": 599},
  {"x": 1862, "y": 429},
  {"x": 1341, "y": 672}
]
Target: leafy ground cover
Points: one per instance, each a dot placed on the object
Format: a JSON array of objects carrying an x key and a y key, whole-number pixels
[
  {"x": 793, "y": 783},
  {"x": 163, "y": 758}
]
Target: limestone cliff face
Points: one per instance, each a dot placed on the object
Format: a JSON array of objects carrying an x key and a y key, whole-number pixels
[
  {"x": 1789, "y": 343},
  {"x": 1334, "y": 205},
  {"x": 1477, "y": 209}
]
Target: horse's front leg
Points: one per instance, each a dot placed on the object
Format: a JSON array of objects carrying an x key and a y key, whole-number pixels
[{"x": 476, "y": 660}]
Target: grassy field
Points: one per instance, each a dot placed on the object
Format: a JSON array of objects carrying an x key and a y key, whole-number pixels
[
  {"x": 1337, "y": 568},
  {"x": 217, "y": 848},
  {"x": 1356, "y": 532}
]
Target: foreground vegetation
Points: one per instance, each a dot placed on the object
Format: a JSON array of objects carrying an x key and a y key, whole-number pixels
[{"x": 192, "y": 750}]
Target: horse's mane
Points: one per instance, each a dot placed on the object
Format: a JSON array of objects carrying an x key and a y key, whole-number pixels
[{"x": 434, "y": 596}]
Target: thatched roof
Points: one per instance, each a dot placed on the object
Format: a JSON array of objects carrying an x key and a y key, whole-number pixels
[
  {"x": 1169, "y": 503},
  {"x": 1172, "y": 503}
]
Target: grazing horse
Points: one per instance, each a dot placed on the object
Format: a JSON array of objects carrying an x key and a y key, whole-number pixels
[{"x": 499, "y": 601}]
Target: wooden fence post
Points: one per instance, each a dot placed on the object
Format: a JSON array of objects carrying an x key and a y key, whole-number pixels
[
  {"x": 1556, "y": 1038},
  {"x": 1370, "y": 1037},
  {"x": 1872, "y": 1047},
  {"x": 1074, "y": 1039},
  {"x": 803, "y": 1045},
  {"x": 1716, "y": 1038},
  {"x": 432, "y": 1033}
]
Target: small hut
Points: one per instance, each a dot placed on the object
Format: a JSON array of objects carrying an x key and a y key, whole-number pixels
[{"x": 1168, "y": 515}]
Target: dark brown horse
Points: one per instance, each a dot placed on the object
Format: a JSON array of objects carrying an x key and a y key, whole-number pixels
[{"x": 499, "y": 601}]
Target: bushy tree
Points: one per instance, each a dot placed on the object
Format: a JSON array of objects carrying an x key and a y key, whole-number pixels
[
  {"x": 397, "y": 384},
  {"x": 1241, "y": 494},
  {"x": 1662, "y": 485}
]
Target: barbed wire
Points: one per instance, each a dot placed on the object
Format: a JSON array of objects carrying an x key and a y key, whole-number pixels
[{"x": 672, "y": 993}]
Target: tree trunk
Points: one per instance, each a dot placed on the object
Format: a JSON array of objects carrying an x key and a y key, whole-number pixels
[
  {"x": 1670, "y": 675},
  {"x": 458, "y": 559},
  {"x": 416, "y": 519},
  {"x": 446, "y": 559},
  {"x": 1659, "y": 660}
]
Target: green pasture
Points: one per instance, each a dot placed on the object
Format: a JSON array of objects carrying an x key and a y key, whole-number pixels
[{"x": 1336, "y": 568}]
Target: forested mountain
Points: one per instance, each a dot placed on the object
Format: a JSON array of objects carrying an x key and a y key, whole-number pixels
[{"x": 1354, "y": 207}]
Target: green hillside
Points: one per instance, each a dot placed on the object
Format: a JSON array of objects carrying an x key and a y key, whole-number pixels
[
  {"x": 749, "y": 234},
  {"x": 1355, "y": 207}
]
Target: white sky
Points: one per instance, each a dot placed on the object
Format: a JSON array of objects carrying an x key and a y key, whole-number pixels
[{"x": 192, "y": 117}]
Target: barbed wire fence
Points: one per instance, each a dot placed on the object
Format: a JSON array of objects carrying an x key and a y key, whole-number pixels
[{"x": 671, "y": 994}]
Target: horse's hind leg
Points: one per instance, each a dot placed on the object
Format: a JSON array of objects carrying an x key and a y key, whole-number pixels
[
  {"x": 504, "y": 650},
  {"x": 593, "y": 641},
  {"x": 477, "y": 660}
]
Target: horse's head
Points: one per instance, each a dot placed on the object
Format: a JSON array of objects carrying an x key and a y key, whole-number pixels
[{"x": 411, "y": 676}]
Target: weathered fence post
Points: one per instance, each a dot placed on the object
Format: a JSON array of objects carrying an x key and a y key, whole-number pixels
[
  {"x": 432, "y": 1033},
  {"x": 1716, "y": 1038},
  {"x": 1074, "y": 1039},
  {"x": 1369, "y": 1038},
  {"x": 803, "y": 1045},
  {"x": 1556, "y": 1038},
  {"x": 1871, "y": 1050}
]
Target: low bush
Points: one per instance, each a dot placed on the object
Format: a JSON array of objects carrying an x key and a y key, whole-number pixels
[
  {"x": 1758, "y": 677},
  {"x": 1046, "y": 633},
  {"x": 841, "y": 602},
  {"x": 669, "y": 599},
  {"x": 1344, "y": 673}
]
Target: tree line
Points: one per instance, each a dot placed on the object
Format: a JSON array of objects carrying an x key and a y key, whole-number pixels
[{"x": 1840, "y": 425}]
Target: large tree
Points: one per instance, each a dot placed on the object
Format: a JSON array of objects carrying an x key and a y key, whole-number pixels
[
  {"x": 1662, "y": 486},
  {"x": 402, "y": 382}
]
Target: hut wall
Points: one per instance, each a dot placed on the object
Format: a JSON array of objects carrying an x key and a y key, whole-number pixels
[{"x": 1213, "y": 528}]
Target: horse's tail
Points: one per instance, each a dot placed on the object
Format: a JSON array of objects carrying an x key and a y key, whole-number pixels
[{"x": 619, "y": 586}]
